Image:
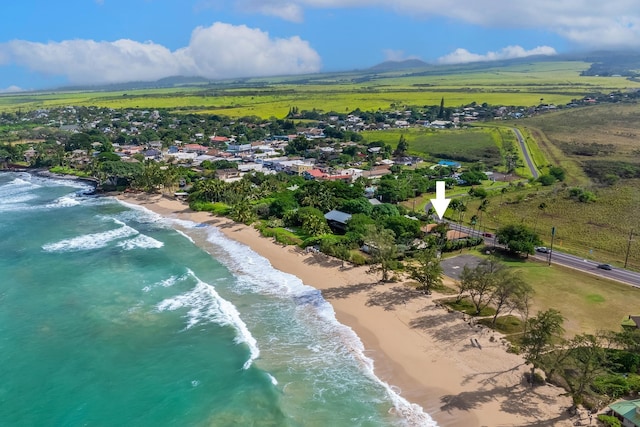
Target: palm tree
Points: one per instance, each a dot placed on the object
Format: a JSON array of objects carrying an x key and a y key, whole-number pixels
[
  {"x": 541, "y": 207},
  {"x": 482, "y": 208}
]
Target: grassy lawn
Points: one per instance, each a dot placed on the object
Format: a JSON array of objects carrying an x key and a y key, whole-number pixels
[{"x": 588, "y": 303}]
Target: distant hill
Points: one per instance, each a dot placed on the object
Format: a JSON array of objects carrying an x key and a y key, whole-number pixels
[
  {"x": 398, "y": 65},
  {"x": 604, "y": 63},
  {"x": 166, "y": 82},
  {"x": 607, "y": 63}
]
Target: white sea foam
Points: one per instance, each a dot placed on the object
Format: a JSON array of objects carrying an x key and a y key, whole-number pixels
[
  {"x": 90, "y": 241},
  {"x": 272, "y": 378},
  {"x": 63, "y": 202},
  {"x": 141, "y": 241},
  {"x": 166, "y": 283},
  {"x": 14, "y": 194},
  {"x": 257, "y": 274},
  {"x": 206, "y": 305},
  {"x": 186, "y": 236},
  {"x": 140, "y": 214}
]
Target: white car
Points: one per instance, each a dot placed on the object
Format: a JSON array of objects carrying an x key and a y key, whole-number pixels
[{"x": 543, "y": 249}]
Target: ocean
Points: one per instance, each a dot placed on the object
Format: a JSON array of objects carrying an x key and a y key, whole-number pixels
[{"x": 111, "y": 315}]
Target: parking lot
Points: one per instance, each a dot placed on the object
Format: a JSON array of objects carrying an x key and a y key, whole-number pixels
[{"x": 453, "y": 266}]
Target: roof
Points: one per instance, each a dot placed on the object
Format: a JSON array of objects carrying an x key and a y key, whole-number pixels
[
  {"x": 337, "y": 216},
  {"x": 218, "y": 139},
  {"x": 316, "y": 173},
  {"x": 628, "y": 409}
]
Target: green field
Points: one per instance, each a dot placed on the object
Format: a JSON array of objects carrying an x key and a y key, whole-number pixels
[
  {"x": 598, "y": 230},
  {"x": 468, "y": 145},
  {"x": 523, "y": 84}
]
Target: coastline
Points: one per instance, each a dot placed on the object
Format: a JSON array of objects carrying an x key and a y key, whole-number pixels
[{"x": 420, "y": 349}]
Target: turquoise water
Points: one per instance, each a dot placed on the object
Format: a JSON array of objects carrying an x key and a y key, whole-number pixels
[{"x": 111, "y": 315}]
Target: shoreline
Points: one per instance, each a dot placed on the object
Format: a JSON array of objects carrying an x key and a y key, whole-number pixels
[{"x": 418, "y": 348}]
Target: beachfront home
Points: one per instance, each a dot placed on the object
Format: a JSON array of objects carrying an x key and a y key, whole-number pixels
[
  {"x": 337, "y": 220},
  {"x": 627, "y": 411}
]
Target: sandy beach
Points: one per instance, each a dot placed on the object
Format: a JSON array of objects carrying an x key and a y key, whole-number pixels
[{"x": 424, "y": 351}]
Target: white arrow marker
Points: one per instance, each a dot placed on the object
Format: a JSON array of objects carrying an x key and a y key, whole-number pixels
[{"x": 440, "y": 203}]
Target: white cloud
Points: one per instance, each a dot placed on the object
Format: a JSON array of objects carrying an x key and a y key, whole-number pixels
[
  {"x": 588, "y": 23},
  {"x": 224, "y": 50},
  {"x": 287, "y": 10},
  {"x": 396, "y": 55},
  {"x": 11, "y": 89},
  {"x": 219, "y": 51},
  {"x": 461, "y": 56}
]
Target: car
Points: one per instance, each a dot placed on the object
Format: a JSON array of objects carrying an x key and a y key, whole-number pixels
[
  {"x": 605, "y": 266},
  {"x": 543, "y": 249}
]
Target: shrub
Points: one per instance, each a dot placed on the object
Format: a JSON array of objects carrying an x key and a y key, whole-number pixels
[
  {"x": 358, "y": 259},
  {"x": 217, "y": 208},
  {"x": 557, "y": 172},
  {"x": 546, "y": 180},
  {"x": 614, "y": 385},
  {"x": 609, "y": 421}
]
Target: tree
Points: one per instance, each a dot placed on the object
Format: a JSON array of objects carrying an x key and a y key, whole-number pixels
[
  {"x": 78, "y": 141},
  {"x": 510, "y": 293},
  {"x": 382, "y": 248},
  {"x": 242, "y": 211},
  {"x": 541, "y": 207},
  {"x": 518, "y": 238},
  {"x": 151, "y": 178},
  {"x": 557, "y": 172},
  {"x": 316, "y": 194},
  {"x": 209, "y": 190},
  {"x": 405, "y": 229},
  {"x": 441, "y": 110},
  {"x": 357, "y": 205},
  {"x": 427, "y": 270},
  {"x": 546, "y": 180},
  {"x": 403, "y": 146},
  {"x": 313, "y": 224},
  {"x": 479, "y": 282},
  {"x": 584, "y": 361},
  {"x": 542, "y": 330}
]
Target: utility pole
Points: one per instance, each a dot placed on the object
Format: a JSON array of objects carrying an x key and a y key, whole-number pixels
[
  {"x": 626, "y": 258},
  {"x": 553, "y": 234}
]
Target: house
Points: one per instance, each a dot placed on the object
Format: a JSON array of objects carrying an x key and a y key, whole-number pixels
[
  {"x": 440, "y": 124},
  {"x": 195, "y": 148},
  {"x": 376, "y": 172},
  {"x": 627, "y": 411},
  {"x": 228, "y": 174},
  {"x": 29, "y": 154},
  {"x": 152, "y": 154},
  {"x": 451, "y": 234},
  {"x": 238, "y": 148},
  {"x": 314, "y": 174},
  {"x": 337, "y": 220},
  {"x": 300, "y": 168},
  {"x": 218, "y": 139}
]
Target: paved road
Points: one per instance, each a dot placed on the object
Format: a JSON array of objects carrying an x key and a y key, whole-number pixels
[
  {"x": 587, "y": 266},
  {"x": 525, "y": 153}
]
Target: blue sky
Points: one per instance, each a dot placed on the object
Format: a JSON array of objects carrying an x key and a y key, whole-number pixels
[{"x": 46, "y": 44}]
